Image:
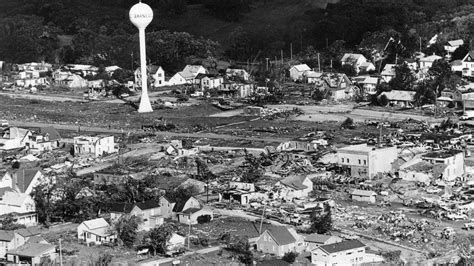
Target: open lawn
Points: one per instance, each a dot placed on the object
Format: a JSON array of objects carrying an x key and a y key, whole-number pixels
[{"x": 187, "y": 118}]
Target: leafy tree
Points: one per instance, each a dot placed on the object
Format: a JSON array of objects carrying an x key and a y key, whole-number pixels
[
  {"x": 348, "y": 123},
  {"x": 8, "y": 223},
  {"x": 104, "y": 259},
  {"x": 319, "y": 95},
  {"x": 382, "y": 100},
  {"x": 241, "y": 247},
  {"x": 182, "y": 193},
  {"x": 404, "y": 78},
  {"x": 126, "y": 228},
  {"x": 424, "y": 94},
  {"x": 158, "y": 237},
  {"x": 322, "y": 223},
  {"x": 42, "y": 195},
  {"x": 348, "y": 70},
  {"x": 290, "y": 257},
  {"x": 254, "y": 171},
  {"x": 122, "y": 75},
  {"x": 440, "y": 72},
  {"x": 25, "y": 39}
]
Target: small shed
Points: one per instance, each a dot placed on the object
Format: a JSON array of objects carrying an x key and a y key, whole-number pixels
[{"x": 363, "y": 195}]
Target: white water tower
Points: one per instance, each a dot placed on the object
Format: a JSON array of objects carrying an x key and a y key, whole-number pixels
[{"x": 141, "y": 15}]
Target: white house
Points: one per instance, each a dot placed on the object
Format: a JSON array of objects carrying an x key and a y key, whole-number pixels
[
  {"x": 279, "y": 240},
  {"x": 363, "y": 195},
  {"x": 97, "y": 231},
  {"x": 349, "y": 252},
  {"x": 21, "y": 205},
  {"x": 166, "y": 206},
  {"x": 368, "y": 84},
  {"x": 468, "y": 65},
  {"x": 358, "y": 62},
  {"x": 40, "y": 67},
  {"x": 316, "y": 240},
  {"x": 175, "y": 242},
  {"x": 14, "y": 138},
  {"x": 31, "y": 254},
  {"x": 297, "y": 72},
  {"x": 188, "y": 74},
  {"x": 208, "y": 81},
  {"x": 68, "y": 79},
  {"x": 427, "y": 62},
  {"x": 451, "y": 46},
  {"x": 294, "y": 186},
  {"x": 366, "y": 160},
  {"x": 9, "y": 240},
  {"x": 452, "y": 159},
  {"x": 156, "y": 76},
  {"x": 149, "y": 213},
  {"x": 96, "y": 146}
]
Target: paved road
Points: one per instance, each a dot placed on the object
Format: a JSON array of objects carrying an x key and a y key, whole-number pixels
[
  {"x": 43, "y": 97},
  {"x": 167, "y": 261},
  {"x": 160, "y": 133}
]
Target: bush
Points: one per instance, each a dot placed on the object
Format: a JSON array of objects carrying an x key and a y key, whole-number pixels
[
  {"x": 348, "y": 123},
  {"x": 382, "y": 100},
  {"x": 290, "y": 257},
  {"x": 203, "y": 219}
]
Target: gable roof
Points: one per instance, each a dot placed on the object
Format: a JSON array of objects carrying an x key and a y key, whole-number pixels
[
  {"x": 52, "y": 133},
  {"x": 396, "y": 95},
  {"x": 5, "y": 189},
  {"x": 317, "y": 238},
  {"x": 431, "y": 58},
  {"x": 281, "y": 235},
  {"x": 470, "y": 54},
  {"x": 22, "y": 178},
  {"x": 294, "y": 181},
  {"x": 28, "y": 232},
  {"x": 31, "y": 250},
  {"x": 6, "y": 235},
  {"x": 342, "y": 246},
  {"x": 16, "y": 133},
  {"x": 388, "y": 70},
  {"x": 121, "y": 207},
  {"x": 178, "y": 207},
  {"x": 301, "y": 67},
  {"x": 96, "y": 223},
  {"x": 456, "y": 42},
  {"x": 146, "y": 205},
  {"x": 366, "y": 193}
]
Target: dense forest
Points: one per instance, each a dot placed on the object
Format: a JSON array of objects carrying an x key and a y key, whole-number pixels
[{"x": 98, "y": 32}]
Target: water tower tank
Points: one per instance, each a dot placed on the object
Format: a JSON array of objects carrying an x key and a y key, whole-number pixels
[{"x": 141, "y": 15}]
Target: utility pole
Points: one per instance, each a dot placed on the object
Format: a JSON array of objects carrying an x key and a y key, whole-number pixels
[
  {"x": 319, "y": 65},
  {"x": 261, "y": 221},
  {"x": 189, "y": 231},
  {"x": 281, "y": 56},
  {"x": 132, "y": 61},
  {"x": 267, "y": 62},
  {"x": 420, "y": 44},
  {"x": 60, "y": 253}
]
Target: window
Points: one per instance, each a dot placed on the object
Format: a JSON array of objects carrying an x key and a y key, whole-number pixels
[
  {"x": 365, "y": 162},
  {"x": 348, "y": 160},
  {"x": 342, "y": 159},
  {"x": 360, "y": 162},
  {"x": 88, "y": 235}
]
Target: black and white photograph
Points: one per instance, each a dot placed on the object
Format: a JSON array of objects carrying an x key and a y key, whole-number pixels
[{"x": 236, "y": 132}]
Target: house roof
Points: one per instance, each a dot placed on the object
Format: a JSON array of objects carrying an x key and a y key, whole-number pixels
[
  {"x": 281, "y": 235},
  {"x": 96, "y": 223},
  {"x": 178, "y": 207},
  {"x": 317, "y": 238},
  {"x": 121, "y": 207},
  {"x": 294, "y": 181},
  {"x": 342, "y": 246},
  {"x": 32, "y": 250},
  {"x": 442, "y": 154},
  {"x": 146, "y": 205},
  {"x": 13, "y": 198},
  {"x": 52, "y": 133},
  {"x": 191, "y": 210},
  {"x": 396, "y": 95},
  {"x": 6, "y": 235},
  {"x": 388, "y": 70},
  {"x": 431, "y": 58},
  {"x": 5, "y": 189},
  {"x": 445, "y": 98},
  {"x": 456, "y": 42},
  {"x": 22, "y": 178},
  {"x": 471, "y": 54},
  {"x": 366, "y": 193},
  {"x": 313, "y": 74},
  {"x": 369, "y": 80},
  {"x": 17, "y": 133},
  {"x": 28, "y": 232},
  {"x": 36, "y": 239},
  {"x": 301, "y": 67},
  {"x": 426, "y": 167}
]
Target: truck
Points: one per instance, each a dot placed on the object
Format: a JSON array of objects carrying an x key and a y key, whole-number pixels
[
  {"x": 467, "y": 115},
  {"x": 3, "y": 123}
]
